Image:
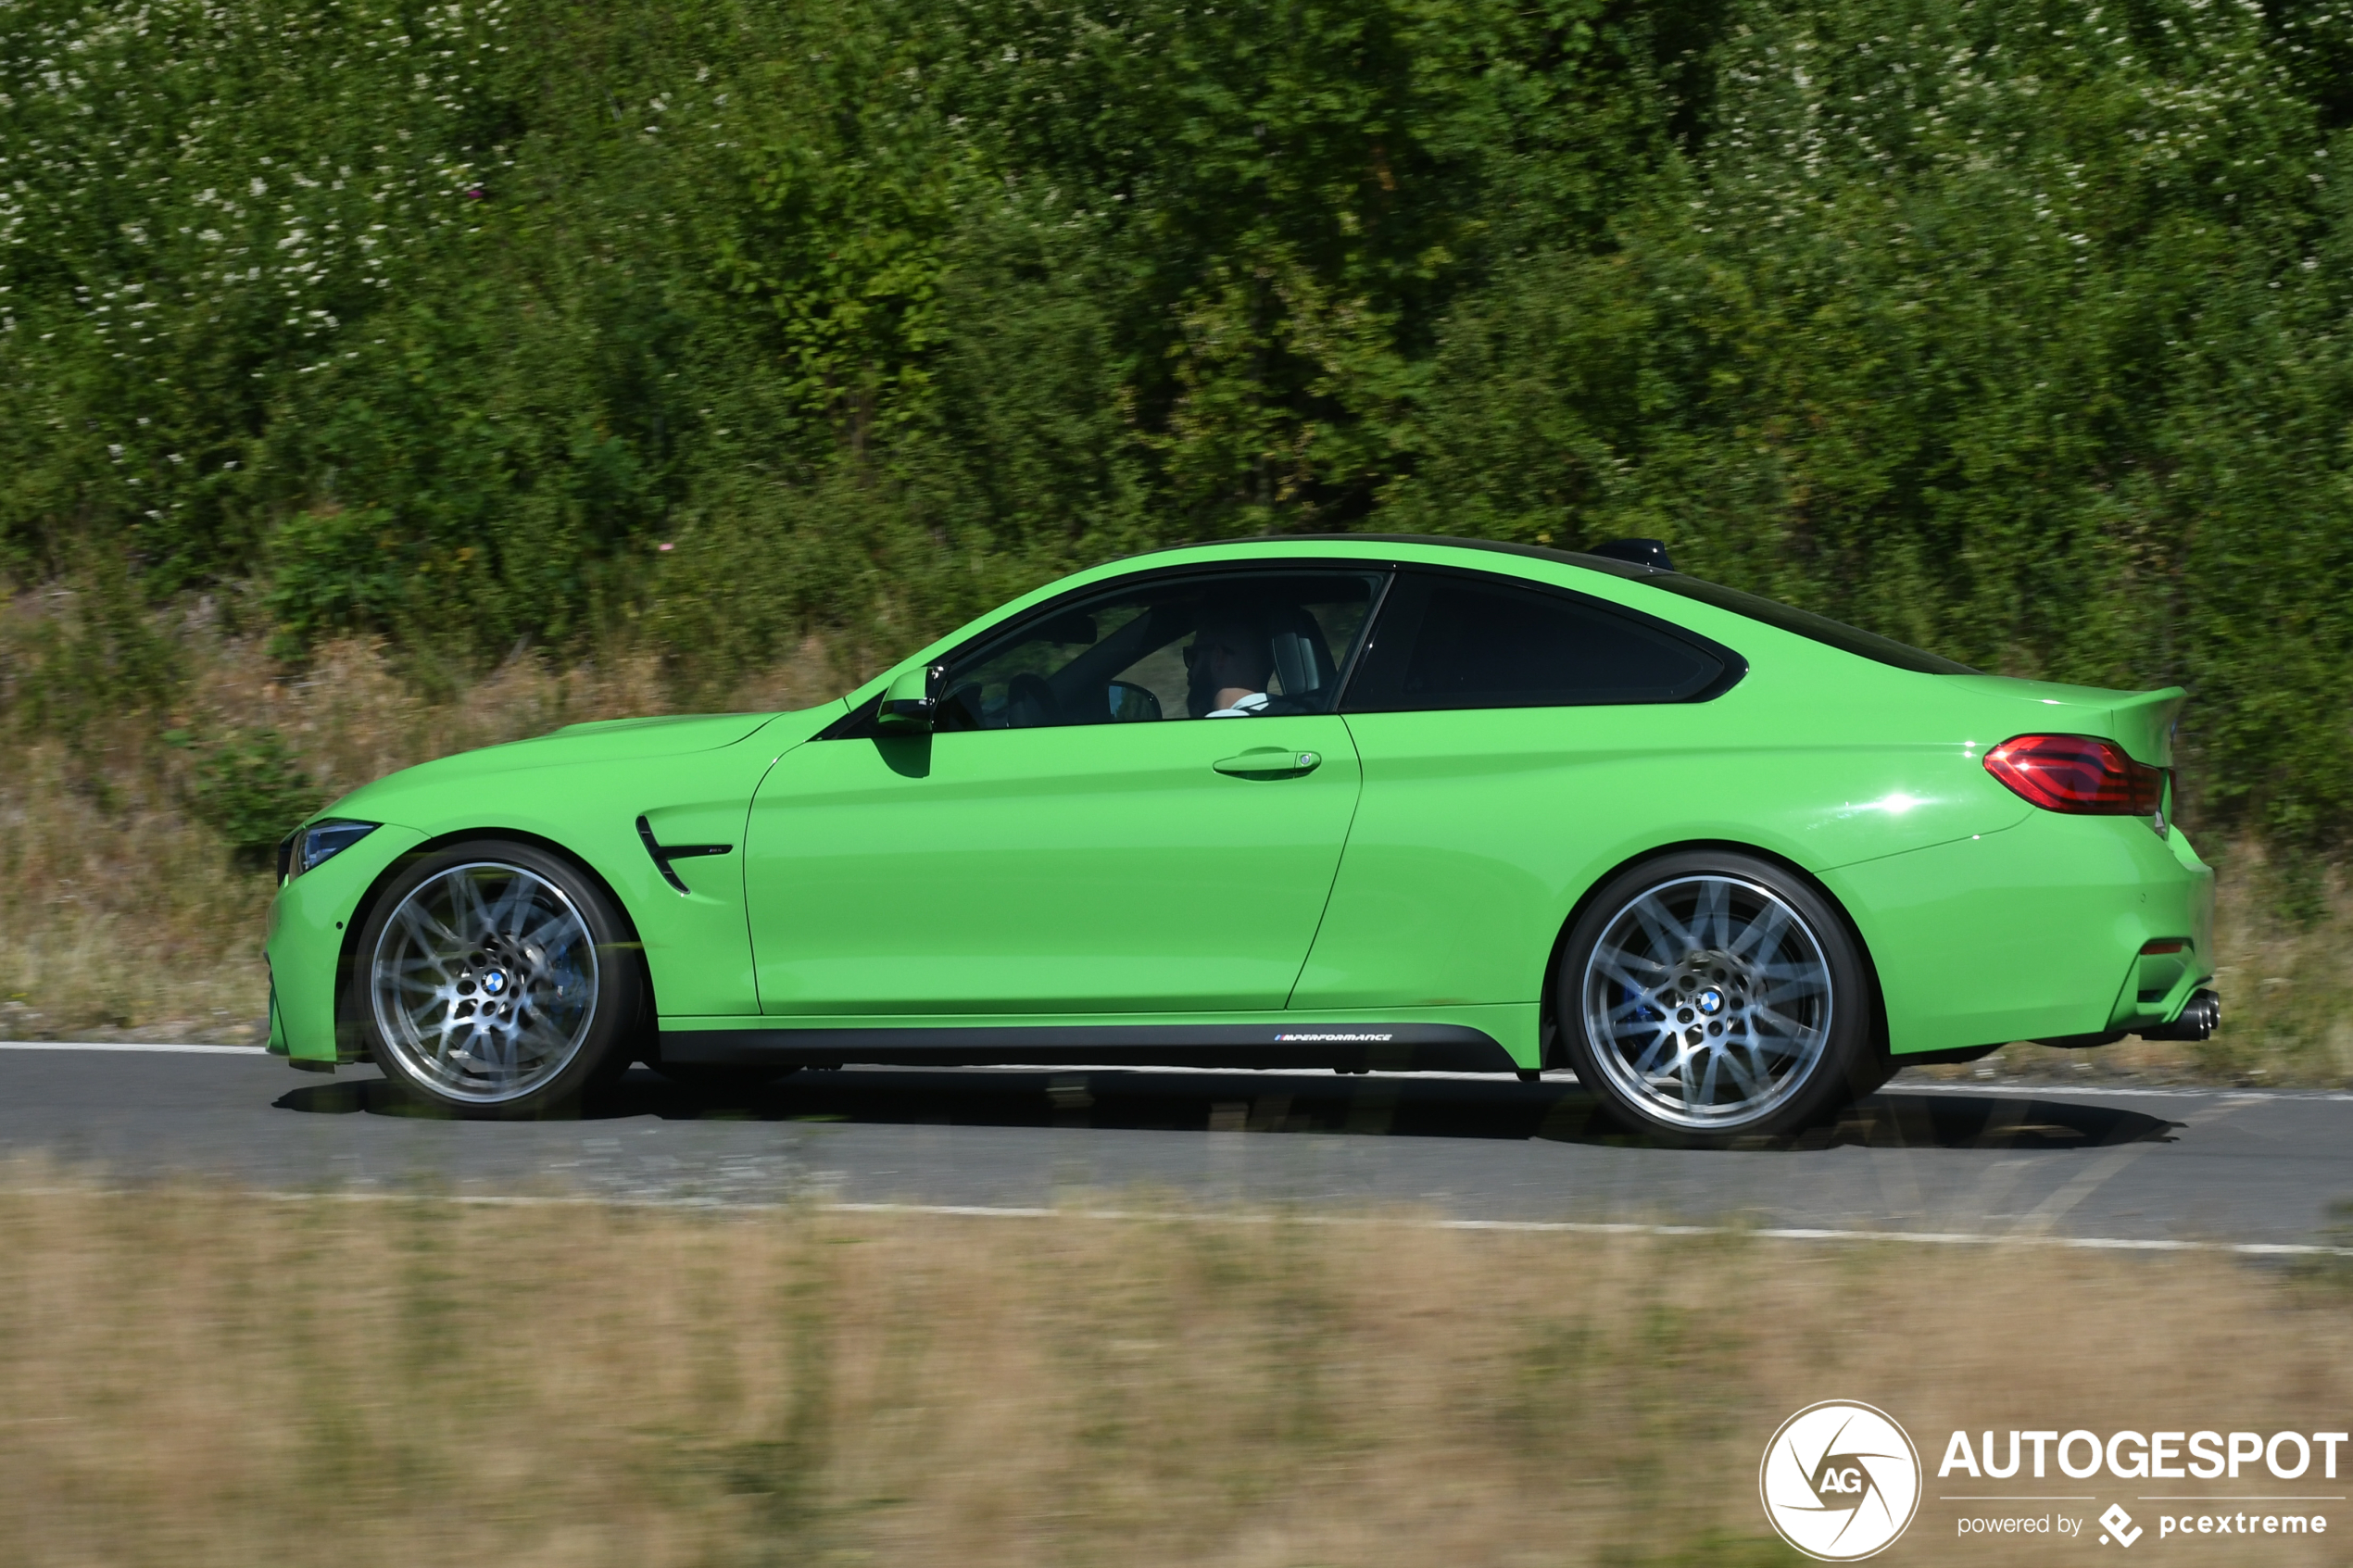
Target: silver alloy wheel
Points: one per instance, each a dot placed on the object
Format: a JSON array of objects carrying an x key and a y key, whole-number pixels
[
  {"x": 1707, "y": 1002},
  {"x": 484, "y": 982}
]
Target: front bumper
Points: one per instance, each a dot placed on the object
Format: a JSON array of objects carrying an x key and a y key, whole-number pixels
[{"x": 310, "y": 922}]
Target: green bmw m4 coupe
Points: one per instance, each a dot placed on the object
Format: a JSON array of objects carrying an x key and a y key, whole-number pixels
[{"x": 1363, "y": 802}]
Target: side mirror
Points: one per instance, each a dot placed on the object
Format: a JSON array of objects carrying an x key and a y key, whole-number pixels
[{"x": 910, "y": 702}]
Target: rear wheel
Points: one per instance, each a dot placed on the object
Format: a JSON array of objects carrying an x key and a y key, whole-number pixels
[
  {"x": 495, "y": 980},
  {"x": 1706, "y": 996}
]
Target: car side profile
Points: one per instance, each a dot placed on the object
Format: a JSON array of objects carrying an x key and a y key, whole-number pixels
[{"x": 1366, "y": 802}]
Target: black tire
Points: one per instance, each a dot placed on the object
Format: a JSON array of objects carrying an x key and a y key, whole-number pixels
[
  {"x": 491, "y": 949},
  {"x": 1682, "y": 1031}
]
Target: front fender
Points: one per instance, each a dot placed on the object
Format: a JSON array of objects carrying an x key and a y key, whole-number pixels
[
  {"x": 306, "y": 927},
  {"x": 585, "y": 806}
]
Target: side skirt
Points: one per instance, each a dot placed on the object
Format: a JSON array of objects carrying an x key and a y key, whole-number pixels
[{"x": 1348, "y": 1047}]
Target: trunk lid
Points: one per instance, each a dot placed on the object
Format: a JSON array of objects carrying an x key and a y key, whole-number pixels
[{"x": 2141, "y": 723}]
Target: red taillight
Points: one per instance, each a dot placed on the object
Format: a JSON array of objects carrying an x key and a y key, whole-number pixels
[{"x": 2078, "y": 774}]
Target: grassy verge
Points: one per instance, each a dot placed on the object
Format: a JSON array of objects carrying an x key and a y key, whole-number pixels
[
  {"x": 133, "y": 862},
  {"x": 194, "y": 1378},
  {"x": 131, "y": 890}
]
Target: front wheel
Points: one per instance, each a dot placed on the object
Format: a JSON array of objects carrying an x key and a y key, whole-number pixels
[
  {"x": 495, "y": 980},
  {"x": 1710, "y": 996}
]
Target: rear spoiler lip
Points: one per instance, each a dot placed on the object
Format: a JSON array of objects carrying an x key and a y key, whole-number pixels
[
  {"x": 2140, "y": 722},
  {"x": 2145, "y": 724}
]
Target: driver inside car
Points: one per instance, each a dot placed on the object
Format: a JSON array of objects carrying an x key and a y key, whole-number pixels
[{"x": 1227, "y": 665}]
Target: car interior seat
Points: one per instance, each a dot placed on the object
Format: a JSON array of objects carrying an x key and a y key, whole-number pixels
[{"x": 1303, "y": 662}]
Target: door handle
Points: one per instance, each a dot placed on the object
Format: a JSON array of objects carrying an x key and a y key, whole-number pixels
[{"x": 1268, "y": 762}]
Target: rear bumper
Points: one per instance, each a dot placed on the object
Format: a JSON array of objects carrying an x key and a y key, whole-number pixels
[{"x": 2034, "y": 932}]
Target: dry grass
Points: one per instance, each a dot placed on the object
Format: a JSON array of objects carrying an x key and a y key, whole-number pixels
[
  {"x": 2287, "y": 981},
  {"x": 2287, "y": 985},
  {"x": 123, "y": 915},
  {"x": 194, "y": 1378}
]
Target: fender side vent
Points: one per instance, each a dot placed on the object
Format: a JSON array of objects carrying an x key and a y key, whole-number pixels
[{"x": 664, "y": 853}]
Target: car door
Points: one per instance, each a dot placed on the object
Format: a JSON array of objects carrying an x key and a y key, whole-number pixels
[
  {"x": 1511, "y": 734},
  {"x": 1077, "y": 834}
]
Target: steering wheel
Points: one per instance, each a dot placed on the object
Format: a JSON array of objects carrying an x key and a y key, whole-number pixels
[{"x": 1030, "y": 702}]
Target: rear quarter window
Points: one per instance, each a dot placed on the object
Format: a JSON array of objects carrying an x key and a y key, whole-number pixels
[
  {"x": 1461, "y": 640},
  {"x": 1806, "y": 623}
]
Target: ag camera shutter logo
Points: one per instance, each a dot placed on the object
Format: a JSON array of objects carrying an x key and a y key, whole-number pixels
[{"x": 1840, "y": 1481}]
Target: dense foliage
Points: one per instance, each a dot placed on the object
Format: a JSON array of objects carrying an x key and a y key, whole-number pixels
[{"x": 2015, "y": 328}]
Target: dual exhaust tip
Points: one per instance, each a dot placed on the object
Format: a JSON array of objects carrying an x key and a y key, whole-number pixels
[{"x": 2199, "y": 1018}]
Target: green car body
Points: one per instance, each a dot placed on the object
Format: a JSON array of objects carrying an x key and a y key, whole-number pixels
[{"x": 1113, "y": 891}]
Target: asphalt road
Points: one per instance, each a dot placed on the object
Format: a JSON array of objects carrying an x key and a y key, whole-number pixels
[{"x": 2220, "y": 1167}]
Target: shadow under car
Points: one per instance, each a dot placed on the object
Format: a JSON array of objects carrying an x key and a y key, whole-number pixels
[{"x": 1397, "y": 1106}]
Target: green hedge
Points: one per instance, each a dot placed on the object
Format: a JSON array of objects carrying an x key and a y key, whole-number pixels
[{"x": 2015, "y": 328}]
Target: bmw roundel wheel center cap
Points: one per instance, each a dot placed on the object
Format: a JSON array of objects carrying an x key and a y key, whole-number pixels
[
  {"x": 1708, "y": 1001},
  {"x": 1709, "y": 992},
  {"x": 484, "y": 982}
]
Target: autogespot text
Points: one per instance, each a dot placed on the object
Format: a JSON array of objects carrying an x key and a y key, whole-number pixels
[
  {"x": 2155, "y": 1456},
  {"x": 2152, "y": 1457}
]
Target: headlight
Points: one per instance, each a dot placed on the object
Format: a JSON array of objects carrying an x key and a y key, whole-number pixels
[{"x": 309, "y": 846}]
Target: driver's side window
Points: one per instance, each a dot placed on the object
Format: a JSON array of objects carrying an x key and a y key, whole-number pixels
[{"x": 1225, "y": 645}]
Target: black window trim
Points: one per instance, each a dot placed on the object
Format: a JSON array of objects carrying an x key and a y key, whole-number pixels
[
  {"x": 1820, "y": 629},
  {"x": 858, "y": 723},
  {"x": 1733, "y": 665},
  {"x": 1823, "y": 629},
  {"x": 1609, "y": 564}
]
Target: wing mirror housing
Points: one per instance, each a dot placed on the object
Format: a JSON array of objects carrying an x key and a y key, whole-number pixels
[{"x": 911, "y": 702}]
